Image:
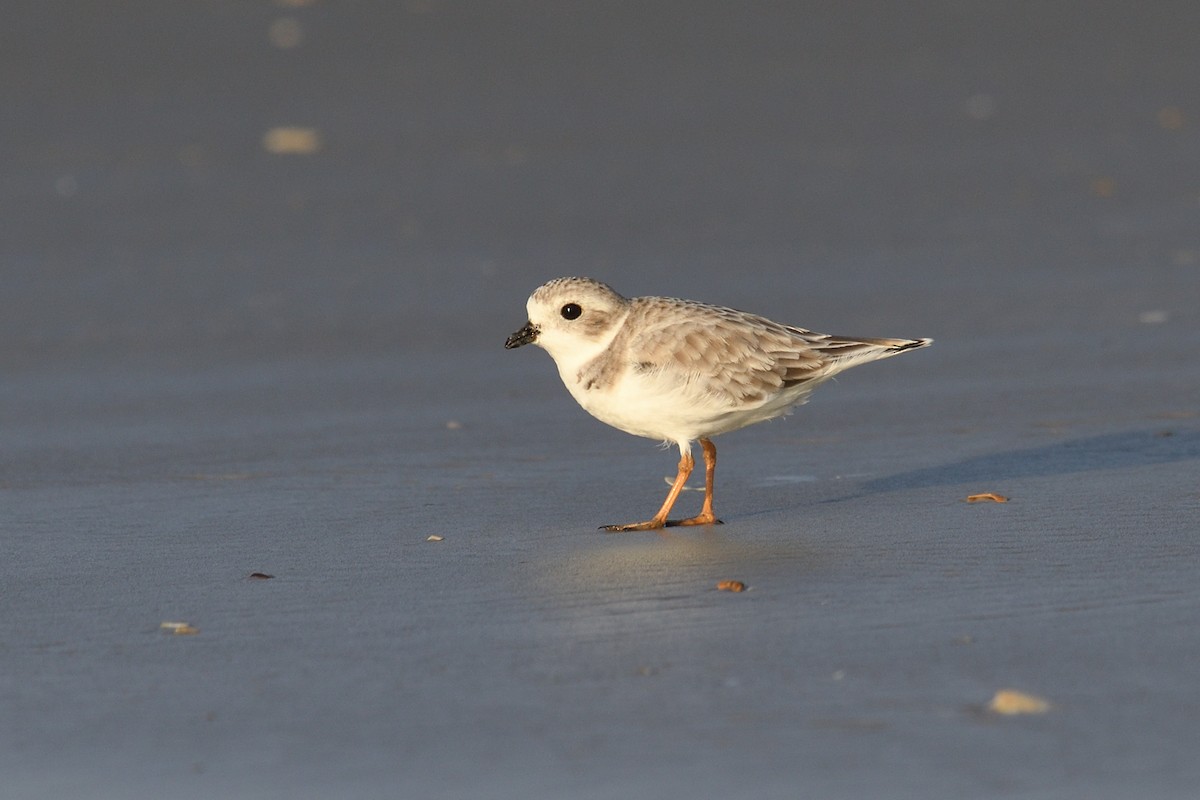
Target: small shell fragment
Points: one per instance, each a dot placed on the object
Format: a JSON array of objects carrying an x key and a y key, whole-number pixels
[
  {"x": 261, "y": 576},
  {"x": 1010, "y": 702},
  {"x": 731, "y": 586},
  {"x": 433, "y": 537},
  {"x": 291, "y": 141},
  {"x": 179, "y": 628},
  {"x": 991, "y": 497}
]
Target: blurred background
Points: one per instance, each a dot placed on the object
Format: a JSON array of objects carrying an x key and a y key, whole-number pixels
[{"x": 211, "y": 180}]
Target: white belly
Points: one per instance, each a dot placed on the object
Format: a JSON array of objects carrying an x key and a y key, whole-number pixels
[{"x": 669, "y": 410}]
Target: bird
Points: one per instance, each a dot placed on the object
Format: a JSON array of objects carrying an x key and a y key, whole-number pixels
[{"x": 682, "y": 371}]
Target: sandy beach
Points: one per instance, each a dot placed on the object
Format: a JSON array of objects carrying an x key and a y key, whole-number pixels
[{"x": 260, "y": 262}]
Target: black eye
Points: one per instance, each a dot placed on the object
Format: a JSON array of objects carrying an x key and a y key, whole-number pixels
[{"x": 571, "y": 311}]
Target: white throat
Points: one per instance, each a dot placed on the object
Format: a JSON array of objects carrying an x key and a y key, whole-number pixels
[{"x": 572, "y": 352}]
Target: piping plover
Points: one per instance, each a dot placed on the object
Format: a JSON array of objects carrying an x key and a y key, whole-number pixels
[{"x": 682, "y": 371}]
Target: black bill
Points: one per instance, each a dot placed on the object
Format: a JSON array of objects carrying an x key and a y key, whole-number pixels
[{"x": 524, "y": 336}]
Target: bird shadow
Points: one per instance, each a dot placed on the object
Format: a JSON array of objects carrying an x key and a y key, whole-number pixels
[{"x": 1109, "y": 451}]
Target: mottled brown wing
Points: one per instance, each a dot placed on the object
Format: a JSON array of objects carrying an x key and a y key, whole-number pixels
[{"x": 750, "y": 358}]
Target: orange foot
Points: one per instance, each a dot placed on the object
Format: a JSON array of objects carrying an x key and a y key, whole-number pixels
[{"x": 657, "y": 524}]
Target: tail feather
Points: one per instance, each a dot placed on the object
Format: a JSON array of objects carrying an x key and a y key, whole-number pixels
[
  {"x": 846, "y": 351},
  {"x": 900, "y": 345},
  {"x": 853, "y": 344}
]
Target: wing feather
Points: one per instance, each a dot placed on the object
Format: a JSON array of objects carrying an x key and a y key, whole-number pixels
[
  {"x": 742, "y": 359},
  {"x": 751, "y": 358}
]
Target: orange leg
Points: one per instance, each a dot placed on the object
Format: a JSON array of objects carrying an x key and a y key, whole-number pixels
[
  {"x": 686, "y": 464},
  {"x": 706, "y": 515}
]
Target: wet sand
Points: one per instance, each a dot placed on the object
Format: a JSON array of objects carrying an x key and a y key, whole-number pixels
[{"x": 221, "y": 359}]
